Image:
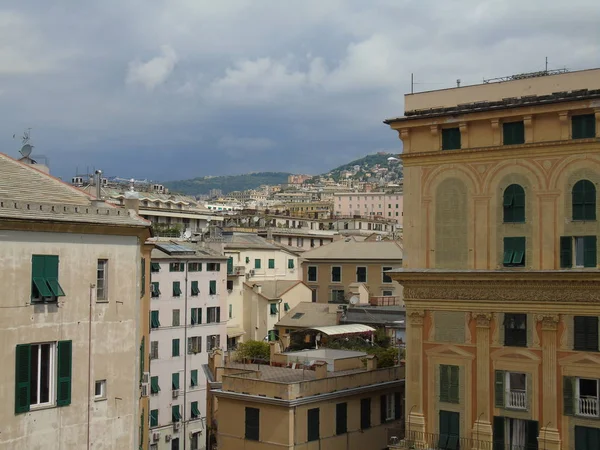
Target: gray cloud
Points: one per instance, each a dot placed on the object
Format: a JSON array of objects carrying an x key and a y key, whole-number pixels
[{"x": 243, "y": 85}]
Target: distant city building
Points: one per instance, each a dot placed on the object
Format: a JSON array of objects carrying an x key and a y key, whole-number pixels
[
  {"x": 298, "y": 179},
  {"x": 388, "y": 205}
]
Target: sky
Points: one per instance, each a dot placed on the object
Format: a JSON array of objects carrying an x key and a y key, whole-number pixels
[{"x": 176, "y": 89}]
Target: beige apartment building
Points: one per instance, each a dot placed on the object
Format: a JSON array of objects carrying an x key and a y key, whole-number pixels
[
  {"x": 501, "y": 277},
  {"x": 74, "y": 323},
  {"x": 334, "y": 271},
  {"x": 342, "y": 402},
  {"x": 388, "y": 205}
]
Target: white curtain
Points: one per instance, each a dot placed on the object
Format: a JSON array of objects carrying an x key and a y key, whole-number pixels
[{"x": 518, "y": 438}]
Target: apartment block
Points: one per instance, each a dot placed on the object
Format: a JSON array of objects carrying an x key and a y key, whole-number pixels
[
  {"x": 73, "y": 324},
  {"x": 187, "y": 321},
  {"x": 388, "y": 205},
  {"x": 501, "y": 275}
]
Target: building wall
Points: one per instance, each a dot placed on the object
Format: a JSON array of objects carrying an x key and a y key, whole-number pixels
[
  {"x": 114, "y": 421},
  {"x": 375, "y": 284},
  {"x": 389, "y": 206},
  {"x": 165, "y": 365}
]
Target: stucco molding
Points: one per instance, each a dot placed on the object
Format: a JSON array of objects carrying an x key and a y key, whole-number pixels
[
  {"x": 549, "y": 321},
  {"x": 482, "y": 319},
  {"x": 416, "y": 316}
]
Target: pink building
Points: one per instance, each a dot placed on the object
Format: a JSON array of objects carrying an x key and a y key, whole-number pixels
[{"x": 369, "y": 204}]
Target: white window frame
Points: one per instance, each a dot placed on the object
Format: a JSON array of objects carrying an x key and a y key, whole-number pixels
[
  {"x": 102, "y": 395},
  {"x": 153, "y": 349},
  {"x": 578, "y": 397},
  {"x": 390, "y": 407},
  {"x": 578, "y": 252},
  {"x": 509, "y": 389},
  {"x": 51, "y": 379},
  {"x": 196, "y": 345},
  {"x": 196, "y": 435},
  {"x": 102, "y": 266},
  {"x": 210, "y": 338}
]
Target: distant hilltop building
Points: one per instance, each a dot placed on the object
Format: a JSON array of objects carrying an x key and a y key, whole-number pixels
[{"x": 298, "y": 179}]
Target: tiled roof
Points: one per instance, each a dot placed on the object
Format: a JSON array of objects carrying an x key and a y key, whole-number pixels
[
  {"x": 313, "y": 315},
  {"x": 350, "y": 248},
  {"x": 27, "y": 193},
  {"x": 235, "y": 240},
  {"x": 274, "y": 289}
]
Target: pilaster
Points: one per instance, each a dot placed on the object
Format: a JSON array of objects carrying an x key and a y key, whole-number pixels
[
  {"x": 482, "y": 429},
  {"x": 464, "y": 135},
  {"x": 416, "y": 426},
  {"x": 563, "y": 118},
  {"x": 549, "y": 437},
  {"x": 597, "y": 113},
  {"x": 435, "y": 137},
  {"x": 496, "y": 138},
  {"x": 404, "y": 135},
  {"x": 528, "y": 123}
]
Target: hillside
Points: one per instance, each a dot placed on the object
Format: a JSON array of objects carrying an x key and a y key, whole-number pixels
[
  {"x": 365, "y": 163},
  {"x": 228, "y": 183}
]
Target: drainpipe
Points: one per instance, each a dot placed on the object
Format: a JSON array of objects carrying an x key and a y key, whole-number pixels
[
  {"x": 185, "y": 357},
  {"x": 89, "y": 385}
]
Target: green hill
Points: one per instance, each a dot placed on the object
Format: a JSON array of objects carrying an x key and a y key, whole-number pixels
[
  {"x": 228, "y": 183},
  {"x": 366, "y": 162}
]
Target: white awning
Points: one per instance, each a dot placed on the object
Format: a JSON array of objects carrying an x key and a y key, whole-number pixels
[
  {"x": 344, "y": 329},
  {"x": 235, "y": 332}
]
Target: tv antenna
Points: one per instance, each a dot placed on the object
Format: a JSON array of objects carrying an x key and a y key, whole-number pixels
[{"x": 26, "y": 147}]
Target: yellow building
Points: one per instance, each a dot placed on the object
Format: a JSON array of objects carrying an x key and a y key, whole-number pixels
[
  {"x": 500, "y": 276},
  {"x": 337, "y": 404}
]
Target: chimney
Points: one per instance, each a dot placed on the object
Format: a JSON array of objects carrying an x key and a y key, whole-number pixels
[
  {"x": 320, "y": 370},
  {"x": 371, "y": 362},
  {"x": 273, "y": 350},
  {"x": 98, "y": 184},
  {"x": 132, "y": 199}
]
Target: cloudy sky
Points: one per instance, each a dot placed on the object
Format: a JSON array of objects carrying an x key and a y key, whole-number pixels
[{"x": 173, "y": 89}]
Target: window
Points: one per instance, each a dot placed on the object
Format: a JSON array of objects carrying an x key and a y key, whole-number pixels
[
  {"x": 230, "y": 311},
  {"x": 153, "y": 418},
  {"x": 341, "y": 418},
  {"x": 510, "y": 390},
  {"x": 337, "y": 296},
  {"x": 194, "y": 267},
  {"x": 195, "y": 441},
  {"x": 513, "y": 133},
  {"x": 299, "y": 242},
  {"x": 175, "y": 415},
  {"x": 194, "y": 345},
  {"x": 386, "y": 293},
  {"x": 586, "y": 333},
  {"x": 451, "y": 138},
  {"x": 154, "y": 321},
  {"x": 336, "y": 274},
  {"x": 154, "y": 386},
  {"x": 100, "y": 390},
  {"x": 583, "y": 198},
  {"x": 271, "y": 263},
  {"x": 175, "y": 381},
  {"x": 514, "y": 204},
  {"x": 195, "y": 288},
  {"x": 515, "y": 330},
  {"x": 583, "y": 126},
  {"x": 102, "y": 280},
  {"x": 154, "y": 267},
  {"x": 247, "y": 260},
  {"x": 212, "y": 287},
  {"x": 581, "y": 397},
  {"x": 361, "y": 274},
  {"x": 213, "y": 267},
  {"x": 385, "y": 278},
  {"x": 252, "y": 431},
  {"x": 449, "y": 430},
  {"x": 584, "y": 254},
  {"x": 273, "y": 309},
  {"x": 229, "y": 285},
  {"x": 449, "y": 384},
  {"x": 44, "y": 278},
  {"x": 194, "y": 378},
  {"x": 313, "y": 296},
  {"x": 514, "y": 252},
  {"x": 257, "y": 263},
  {"x": 143, "y": 277},
  {"x": 213, "y": 314},
  {"x": 155, "y": 289},
  {"x": 176, "y": 267},
  {"x": 43, "y": 375},
  {"x": 176, "y": 288},
  {"x": 312, "y": 243},
  {"x": 230, "y": 265},
  {"x": 213, "y": 341},
  {"x": 586, "y": 438},
  {"x": 286, "y": 307},
  {"x": 175, "y": 321},
  {"x": 365, "y": 413},
  {"x": 195, "y": 411},
  {"x": 175, "y": 347},
  {"x": 313, "y": 424},
  {"x": 312, "y": 273},
  {"x": 175, "y": 442},
  {"x": 290, "y": 263},
  {"x": 154, "y": 350},
  {"x": 196, "y": 316}
]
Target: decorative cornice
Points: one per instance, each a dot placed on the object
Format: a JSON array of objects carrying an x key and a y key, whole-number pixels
[{"x": 549, "y": 321}]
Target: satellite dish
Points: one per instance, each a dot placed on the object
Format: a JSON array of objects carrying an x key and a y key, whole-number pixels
[
  {"x": 187, "y": 234},
  {"x": 354, "y": 300},
  {"x": 26, "y": 150}
]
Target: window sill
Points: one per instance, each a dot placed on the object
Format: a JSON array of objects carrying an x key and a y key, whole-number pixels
[
  {"x": 41, "y": 407},
  {"x": 101, "y": 301},
  {"x": 100, "y": 399}
]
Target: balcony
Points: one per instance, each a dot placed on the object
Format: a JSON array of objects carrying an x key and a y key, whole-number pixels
[
  {"x": 236, "y": 271},
  {"x": 385, "y": 301},
  {"x": 516, "y": 399},
  {"x": 398, "y": 440},
  {"x": 587, "y": 406}
]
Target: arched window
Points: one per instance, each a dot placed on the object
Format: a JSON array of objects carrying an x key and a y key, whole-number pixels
[
  {"x": 514, "y": 204},
  {"x": 584, "y": 200}
]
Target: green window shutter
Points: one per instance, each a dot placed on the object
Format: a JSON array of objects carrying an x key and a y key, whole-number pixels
[
  {"x": 365, "y": 413},
  {"x": 454, "y": 384},
  {"x": 290, "y": 263},
  {"x": 212, "y": 287},
  {"x": 584, "y": 200},
  {"x": 195, "y": 289},
  {"x": 397, "y": 406},
  {"x": 194, "y": 316},
  {"x": 591, "y": 333},
  {"x": 230, "y": 311},
  {"x": 589, "y": 251},
  {"x": 286, "y": 307},
  {"x": 273, "y": 308},
  {"x": 532, "y": 434},
  {"x": 154, "y": 322},
  {"x": 175, "y": 347},
  {"x": 454, "y": 431},
  {"x": 583, "y": 126},
  {"x": 313, "y": 424},
  {"x": 175, "y": 381},
  {"x": 568, "y": 395},
  {"x": 312, "y": 273},
  {"x": 513, "y": 133},
  {"x": 252, "y": 424},
  {"x": 444, "y": 429},
  {"x": 451, "y": 138},
  {"x": 230, "y": 265},
  {"x": 194, "y": 377},
  {"x": 64, "y": 370},
  {"x": 218, "y": 314},
  {"x": 143, "y": 277},
  {"x": 154, "y": 386},
  {"x": 199, "y": 313},
  {"x": 382, "y": 409},
  {"x": 22, "y": 378},
  {"x": 247, "y": 259},
  {"x": 142, "y": 430},
  {"x": 444, "y": 383},
  {"x": 508, "y": 251},
  {"x": 519, "y": 254},
  {"x": 498, "y": 432},
  {"x": 341, "y": 418},
  {"x": 176, "y": 288},
  {"x": 566, "y": 251},
  {"x": 51, "y": 275},
  {"x": 271, "y": 263},
  {"x": 175, "y": 415},
  {"x": 514, "y": 204},
  {"x": 499, "y": 389},
  {"x": 218, "y": 269},
  {"x": 142, "y": 354},
  {"x": 154, "y": 418},
  {"x": 155, "y": 267},
  {"x": 195, "y": 410},
  {"x": 257, "y": 263}
]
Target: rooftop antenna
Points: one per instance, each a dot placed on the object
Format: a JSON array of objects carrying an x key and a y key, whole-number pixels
[
  {"x": 26, "y": 147},
  {"x": 458, "y": 82},
  {"x": 546, "y": 64}
]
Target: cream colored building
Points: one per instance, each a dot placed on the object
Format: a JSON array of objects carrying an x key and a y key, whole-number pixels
[
  {"x": 336, "y": 404},
  {"x": 73, "y": 326},
  {"x": 500, "y": 276}
]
